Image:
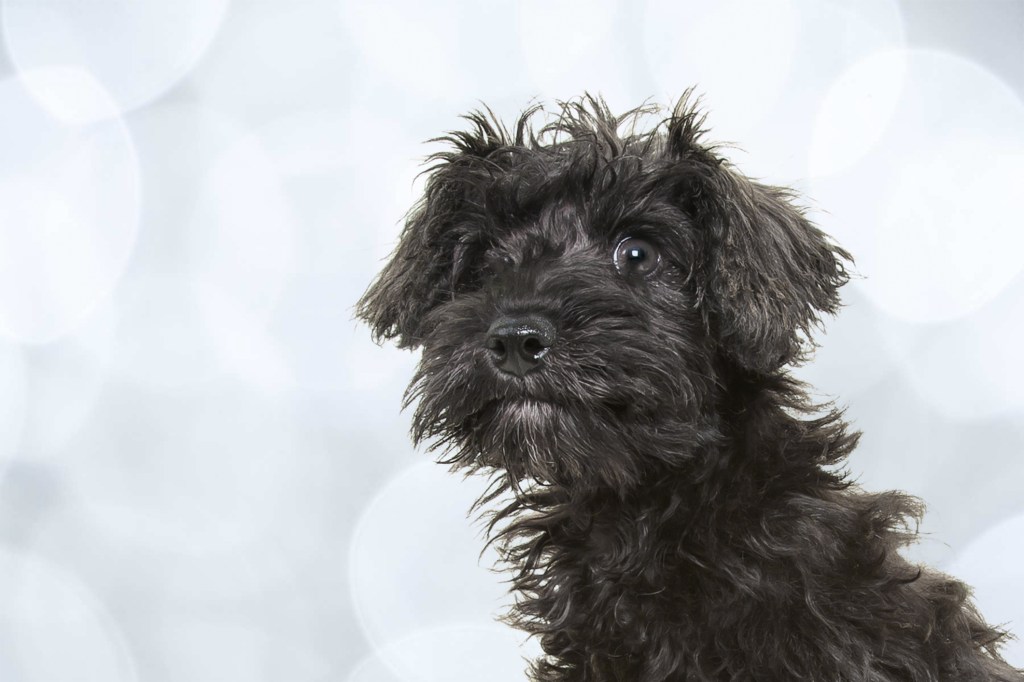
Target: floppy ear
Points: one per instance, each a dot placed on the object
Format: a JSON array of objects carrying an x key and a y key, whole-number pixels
[
  {"x": 772, "y": 274},
  {"x": 417, "y": 274},
  {"x": 767, "y": 272},
  {"x": 425, "y": 267}
]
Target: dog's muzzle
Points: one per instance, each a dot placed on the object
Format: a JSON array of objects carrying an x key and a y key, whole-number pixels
[{"x": 518, "y": 344}]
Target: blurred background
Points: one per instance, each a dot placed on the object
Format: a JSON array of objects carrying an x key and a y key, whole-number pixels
[{"x": 204, "y": 473}]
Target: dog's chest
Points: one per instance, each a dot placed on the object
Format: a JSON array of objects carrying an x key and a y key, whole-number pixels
[{"x": 634, "y": 606}]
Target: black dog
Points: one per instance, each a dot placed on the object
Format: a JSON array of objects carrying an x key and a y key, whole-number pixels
[{"x": 606, "y": 316}]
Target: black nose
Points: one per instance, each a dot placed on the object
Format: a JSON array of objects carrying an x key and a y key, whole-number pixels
[{"x": 519, "y": 343}]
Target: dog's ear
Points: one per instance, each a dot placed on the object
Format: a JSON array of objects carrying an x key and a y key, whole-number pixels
[
  {"x": 767, "y": 273},
  {"x": 771, "y": 274},
  {"x": 417, "y": 274},
  {"x": 425, "y": 267}
]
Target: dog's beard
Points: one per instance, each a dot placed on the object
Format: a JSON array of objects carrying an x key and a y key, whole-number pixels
[
  {"x": 551, "y": 442},
  {"x": 540, "y": 430}
]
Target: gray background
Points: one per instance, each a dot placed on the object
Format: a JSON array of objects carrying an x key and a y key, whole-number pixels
[{"x": 204, "y": 474}]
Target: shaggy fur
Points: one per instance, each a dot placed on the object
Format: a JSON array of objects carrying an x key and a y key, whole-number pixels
[{"x": 669, "y": 500}]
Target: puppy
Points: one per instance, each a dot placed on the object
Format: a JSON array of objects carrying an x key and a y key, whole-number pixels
[{"x": 606, "y": 315}]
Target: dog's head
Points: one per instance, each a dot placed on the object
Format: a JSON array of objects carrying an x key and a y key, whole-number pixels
[{"x": 584, "y": 293}]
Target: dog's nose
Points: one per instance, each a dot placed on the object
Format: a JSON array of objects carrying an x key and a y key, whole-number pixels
[{"x": 518, "y": 344}]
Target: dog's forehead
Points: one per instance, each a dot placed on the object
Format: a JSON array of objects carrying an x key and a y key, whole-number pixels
[
  {"x": 587, "y": 222},
  {"x": 562, "y": 226}
]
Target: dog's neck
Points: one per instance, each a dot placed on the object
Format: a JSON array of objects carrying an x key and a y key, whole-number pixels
[
  {"x": 687, "y": 530},
  {"x": 769, "y": 445}
]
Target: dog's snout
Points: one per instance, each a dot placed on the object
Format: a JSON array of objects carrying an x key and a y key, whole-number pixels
[{"x": 519, "y": 344}]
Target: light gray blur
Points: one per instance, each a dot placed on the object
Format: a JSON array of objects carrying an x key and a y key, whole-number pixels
[{"x": 204, "y": 474}]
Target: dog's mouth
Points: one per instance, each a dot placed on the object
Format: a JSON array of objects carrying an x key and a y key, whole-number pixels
[
  {"x": 524, "y": 405},
  {"x": 529, "y": 407},
  {"x": 529, "y": 402}
]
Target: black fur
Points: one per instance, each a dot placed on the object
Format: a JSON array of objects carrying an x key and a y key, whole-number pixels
[{"x": 668, "y": 497}]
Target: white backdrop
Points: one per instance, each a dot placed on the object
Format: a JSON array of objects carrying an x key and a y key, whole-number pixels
[{"x": 204, "y": 474}]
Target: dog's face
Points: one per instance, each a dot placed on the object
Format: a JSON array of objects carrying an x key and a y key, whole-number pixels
[{"x": 584, "y": 299}]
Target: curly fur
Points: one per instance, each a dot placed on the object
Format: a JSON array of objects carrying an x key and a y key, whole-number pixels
[{"x": 669, "y": 500}]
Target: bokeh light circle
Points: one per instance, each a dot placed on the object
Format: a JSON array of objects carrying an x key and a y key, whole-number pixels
[
  {"x": 202, "y": 649},
  {"x": 137, "y": 50},
  {"x": 237, "y": 229},
  {"x": 688, "y": 43},
  {"x": 828, "y": 38},
  {"x": 990, "y": 564},
  {"x": 52, "y": 627},
  {"x": 856, "y": 111},
  {"x": 273, "y": 59},
  {"x": 69, "y": 211},
  {"x": 415, "y": 47},
  {"x": 971, "y": 368},
  {"x": 361, "y": 171},
  {"x": 242, "y": 232},
  {"x": 858, "y": 348},
  {"x": 415, "y": 556},
  {"x": 212, "y": 482},
  {"x": 932, "y": 219},
  {"x": 564, "y": 63},
  {"x": 212, "y": 269}
]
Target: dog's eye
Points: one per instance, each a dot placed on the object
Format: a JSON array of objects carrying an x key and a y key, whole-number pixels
[{"x": 635, "y": 256}]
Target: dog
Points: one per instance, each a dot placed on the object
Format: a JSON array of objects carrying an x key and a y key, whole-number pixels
[{"x": 607, "y": 312}]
